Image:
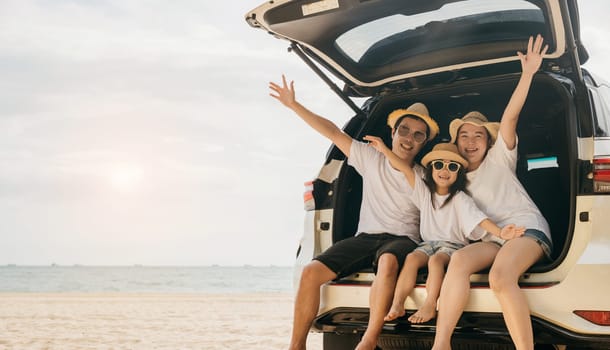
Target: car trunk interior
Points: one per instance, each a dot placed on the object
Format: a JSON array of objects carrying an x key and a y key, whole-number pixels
[{"x": 545, "y": 133}]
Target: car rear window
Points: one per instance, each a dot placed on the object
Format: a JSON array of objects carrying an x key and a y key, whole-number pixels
[
  {"x": 400, "y": 36},
  {"x": 601, "y": 102}
]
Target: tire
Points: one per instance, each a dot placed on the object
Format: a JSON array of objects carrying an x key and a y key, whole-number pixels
[
  {"x": 398, "y": 342},
  {"x": 392, "y": 342},
  {"x": 340, "y": 341},
  {"x": 545, "y": 347}
]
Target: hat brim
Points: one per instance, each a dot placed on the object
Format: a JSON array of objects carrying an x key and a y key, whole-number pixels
[
  {"x": 456, "y": 124},
  {"x": 444, "y": 155}
]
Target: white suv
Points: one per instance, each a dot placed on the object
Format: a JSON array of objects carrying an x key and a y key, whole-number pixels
[{"x": 458, "y": 56}]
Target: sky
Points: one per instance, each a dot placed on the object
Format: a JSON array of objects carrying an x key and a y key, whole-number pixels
[{"x": 142, "y": 132}]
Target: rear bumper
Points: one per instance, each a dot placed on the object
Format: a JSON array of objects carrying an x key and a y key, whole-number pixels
[{"x": 473, "y": 327}]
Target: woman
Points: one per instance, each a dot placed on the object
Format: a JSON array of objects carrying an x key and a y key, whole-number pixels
[{"x": 491, "y": 150}]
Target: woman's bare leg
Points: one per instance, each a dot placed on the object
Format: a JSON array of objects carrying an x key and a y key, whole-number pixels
[
  {"x": 455, "y": 289},
  {"x": 513, "y": 259}
]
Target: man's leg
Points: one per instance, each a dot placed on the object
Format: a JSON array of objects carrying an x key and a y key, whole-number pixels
[
  {"x": 513, "y": 259},
  {"x": 380, "y": 299},
  {"x": 307, "y": 301}
]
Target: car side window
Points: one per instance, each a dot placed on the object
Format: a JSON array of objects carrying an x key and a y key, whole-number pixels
[{"x": 601, "y": 113}]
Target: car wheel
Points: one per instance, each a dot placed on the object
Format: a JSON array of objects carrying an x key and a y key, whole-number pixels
[{"x": 340, "y": 341}]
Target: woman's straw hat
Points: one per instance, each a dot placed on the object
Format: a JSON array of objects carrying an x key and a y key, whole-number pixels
[
  {"x": 477, "y": 119},
  {"x": 419, "y": 110},
  {"x": 444, "y": 151}
]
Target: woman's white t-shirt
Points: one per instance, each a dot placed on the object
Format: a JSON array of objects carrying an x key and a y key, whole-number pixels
[
  {"x": 386, "y": 195},
  {"x": 454, "y": 222},
  {"x": 496, "y": 189}
]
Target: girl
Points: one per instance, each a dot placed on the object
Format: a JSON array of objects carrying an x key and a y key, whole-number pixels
[{"x": 448, "y": 218}]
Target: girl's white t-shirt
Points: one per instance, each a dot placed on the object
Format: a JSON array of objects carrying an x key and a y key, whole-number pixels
[
  {"x": 454, "y": 222},
  {"x": 386, "y": 195},
  {"x": 496, "y": 189}
]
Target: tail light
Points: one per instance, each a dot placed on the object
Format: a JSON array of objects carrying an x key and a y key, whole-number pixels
[
  {"x": 308, "y": 200},
  {"x": 600, "y": 318},
  {"x": 601, "y": 174}
]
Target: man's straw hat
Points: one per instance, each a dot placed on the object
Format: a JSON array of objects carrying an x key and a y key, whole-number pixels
[{"x": 418, "y": 110}]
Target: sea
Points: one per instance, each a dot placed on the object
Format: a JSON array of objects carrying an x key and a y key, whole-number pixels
[{"x": 145, "y": 279}]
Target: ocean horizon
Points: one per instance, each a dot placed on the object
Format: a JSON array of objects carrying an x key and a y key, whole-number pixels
[{"x": 138, "y": 278}]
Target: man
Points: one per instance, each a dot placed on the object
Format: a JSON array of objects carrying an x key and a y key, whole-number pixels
[{"x": 388, "y": 228}]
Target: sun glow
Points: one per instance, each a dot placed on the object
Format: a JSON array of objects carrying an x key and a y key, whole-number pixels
[{"x": 125, "y": 178}]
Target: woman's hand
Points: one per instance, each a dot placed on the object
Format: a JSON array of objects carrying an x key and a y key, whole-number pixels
[
  {"x": 511, "y": 231},
  {"x": 530, "y": 63}
]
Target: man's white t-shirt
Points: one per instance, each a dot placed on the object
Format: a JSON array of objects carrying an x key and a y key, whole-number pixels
[
  {"x": 454, "y": 222},
  {"x": 386, "y": 195},
  {"x": 496, "y": 189}
]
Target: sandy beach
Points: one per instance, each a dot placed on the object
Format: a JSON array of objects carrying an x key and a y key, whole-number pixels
[{"x": 147, "y": 321}]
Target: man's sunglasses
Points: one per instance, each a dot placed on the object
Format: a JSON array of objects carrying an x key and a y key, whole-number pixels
[
  {"x": 451, "y": 166},
  {"x": 418, "y": 136}
]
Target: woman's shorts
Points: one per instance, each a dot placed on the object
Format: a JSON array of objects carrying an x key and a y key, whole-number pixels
[{"x": 537, "y": 235}]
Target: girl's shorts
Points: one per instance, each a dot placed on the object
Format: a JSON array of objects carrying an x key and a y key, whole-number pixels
[{"x": 431, "y": 247}]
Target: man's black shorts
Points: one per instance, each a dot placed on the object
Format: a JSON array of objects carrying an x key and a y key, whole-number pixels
[{"x": 362, "y": 251}]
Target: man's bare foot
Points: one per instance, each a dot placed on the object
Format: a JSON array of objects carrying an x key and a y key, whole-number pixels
[
  {"x": 424, "y": 314},
  {"x": 394, "y": 313},
  {"x": 366, "y": 344}
]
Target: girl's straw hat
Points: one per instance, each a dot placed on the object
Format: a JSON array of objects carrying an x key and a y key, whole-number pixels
[
  {"x": 418, "y": 110},
  {"x": 475, "y": 118},
  {"x": 444, "y": 151}
]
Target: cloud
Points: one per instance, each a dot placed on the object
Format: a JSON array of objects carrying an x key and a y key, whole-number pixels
[{"x": 178, "y": 91}]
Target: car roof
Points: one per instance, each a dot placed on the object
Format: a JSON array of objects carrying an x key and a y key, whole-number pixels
[{"x": 371, "y": 43}]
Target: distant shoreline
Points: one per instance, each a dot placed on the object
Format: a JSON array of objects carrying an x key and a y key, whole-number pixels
[{"x": 145, "y": 279}]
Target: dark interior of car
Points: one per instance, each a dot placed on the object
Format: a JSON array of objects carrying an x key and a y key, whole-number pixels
[{"x": 542, "y": 131}]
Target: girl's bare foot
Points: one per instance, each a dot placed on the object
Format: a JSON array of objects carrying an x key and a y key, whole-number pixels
[
  {"x": 394, "y": 313},
  {"x": 424, "y": 314}
]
